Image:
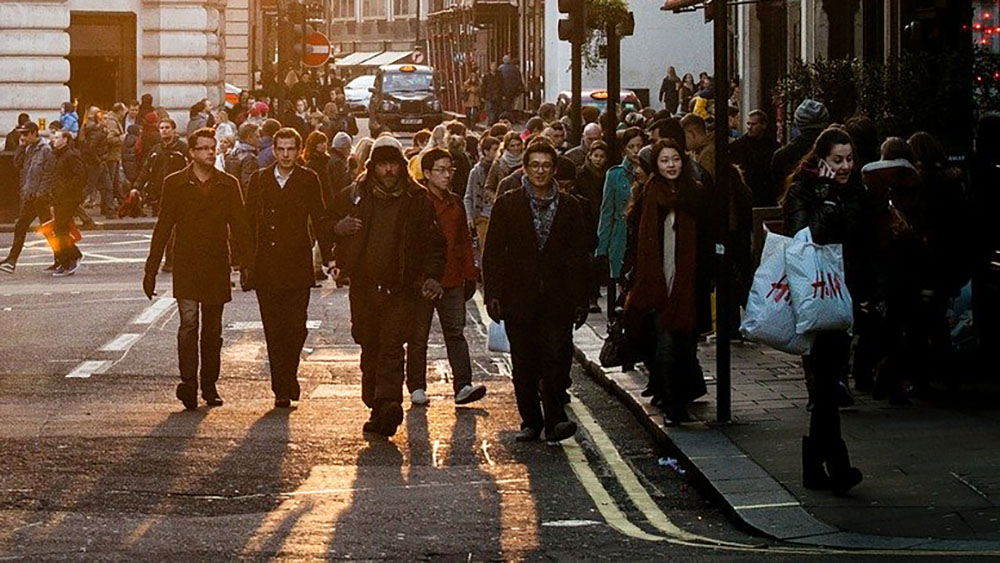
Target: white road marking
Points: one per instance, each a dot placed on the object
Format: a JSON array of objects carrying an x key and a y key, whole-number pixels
[
  {"x": 122, "y": 343},
  {"x": 154, "y": 311},
  {"x": 88, "y": 368},
  {"x": 259, "y": 325}
]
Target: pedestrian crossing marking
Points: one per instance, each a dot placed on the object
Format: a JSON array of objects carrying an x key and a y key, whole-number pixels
[
  {"x": 154, "y": 311},
  {"x": 88, "y": 368},
  {"x": 259, "y": 325},
  {"x": 121, "y": 343}
]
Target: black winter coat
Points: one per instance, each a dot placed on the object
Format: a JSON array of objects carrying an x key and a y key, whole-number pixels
[
  {"x": 69, "y": 177},
  {"x": 279, "y": 226},
  {"x": 528, "y": 282}
]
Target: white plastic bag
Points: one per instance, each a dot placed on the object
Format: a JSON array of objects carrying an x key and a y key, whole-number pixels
[
  {"x": 819, "y": 290},
  {"x": 497, "y": 338},
  {"x": 770, "y": 318}
]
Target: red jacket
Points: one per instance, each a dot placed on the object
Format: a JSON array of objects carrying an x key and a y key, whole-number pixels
[{"x": 460, "y": 266}]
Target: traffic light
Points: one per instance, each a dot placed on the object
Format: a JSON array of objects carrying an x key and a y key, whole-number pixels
[
  {"x": 291, "y": 34},
  {"x": 572, "y": 28}
]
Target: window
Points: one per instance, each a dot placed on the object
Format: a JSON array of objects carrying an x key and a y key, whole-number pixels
[
  {"x": 343, "y": 10},
  {"x": 373, "y": 9},
  {"x": 404, "y": 8}
]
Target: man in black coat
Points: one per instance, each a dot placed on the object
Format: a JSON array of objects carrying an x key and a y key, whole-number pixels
[
  {"x": 811, "y": 118},
  {"x": 281, "y": 200},
  {"x": 203, "y": 209},
  {"x": 390, "y": 245},
  {"x": 68, "y": 180},
  {"x": 753, "y": 152},
  {"x": 535, "y": 267}
]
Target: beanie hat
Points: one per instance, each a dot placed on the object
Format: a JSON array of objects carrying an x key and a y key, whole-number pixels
[
  {"x": 565, "y": 170},
  {"x": 811, "y": 115},
  {"x": 386, "y": 148},
  {"x": 341, "y": 141}
]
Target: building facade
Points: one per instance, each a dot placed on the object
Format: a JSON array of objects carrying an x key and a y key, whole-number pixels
[{"x": 97, "y": 52}]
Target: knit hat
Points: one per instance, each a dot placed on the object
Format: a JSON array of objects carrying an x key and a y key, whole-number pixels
[
  {"x": 811, "y": 115},
  {"x": 341, "y": 141},
  {"x": 260, "y": 108},
  {"x": 386, "y": 148}
]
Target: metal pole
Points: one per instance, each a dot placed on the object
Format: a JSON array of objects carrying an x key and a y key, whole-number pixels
[
  {"x": 577, "y": 83},
  {"x": 722, "y": 298},
  {"x": 614, "y": 91}
]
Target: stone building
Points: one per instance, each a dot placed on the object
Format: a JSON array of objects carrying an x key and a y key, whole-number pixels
[{"x": 97, "y": 52}]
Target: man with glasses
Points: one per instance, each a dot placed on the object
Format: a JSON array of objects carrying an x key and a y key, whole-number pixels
[
  {"x": 535, "y": 280},
  {"x": 458, "y": 285},
  {"x": 752, "y": 153},
  {"x": 202, "y": 207}
]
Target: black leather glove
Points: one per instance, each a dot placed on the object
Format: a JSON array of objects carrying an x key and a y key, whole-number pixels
[
  {"x": 580, "y": 317},
  {"x": 493, "y": 310},
  {"x": 149, "y": 285},
  {"x": 470, "y": 289},
  {"x": 246, "y": 279}
]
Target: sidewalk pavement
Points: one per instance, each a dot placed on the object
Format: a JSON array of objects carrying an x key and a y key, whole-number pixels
[
  {"x": 102, "y": 224},
  {"x": 932, "y": 470}
]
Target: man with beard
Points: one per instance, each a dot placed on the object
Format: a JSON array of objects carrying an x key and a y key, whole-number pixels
[
  {"x": 390, "y": 245},
  {"x": 281, "y": 200},
  {"x": 201, "y": 206}
]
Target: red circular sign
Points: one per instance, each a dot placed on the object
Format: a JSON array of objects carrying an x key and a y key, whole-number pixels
[{"x": 317, "y": 50}]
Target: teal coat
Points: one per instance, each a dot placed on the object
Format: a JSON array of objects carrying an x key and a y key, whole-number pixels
[{"x": 611, "y": 229}]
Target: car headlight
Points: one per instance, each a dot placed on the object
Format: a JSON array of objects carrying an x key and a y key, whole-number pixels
[
  {"x": 433, "y": 105},
  {"x": 389, "y": 105}
]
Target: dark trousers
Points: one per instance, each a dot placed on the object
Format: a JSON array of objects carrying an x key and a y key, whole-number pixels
[
  {"x": 209, "y": 341},
  {"x": 451, "y": 313},
  {"x": 828, "y": 360},
  {"x": 381, "y": 322},
  {"x": 30, "y": 209},
  {"x": 99, "y": 181},
  {"x": 64, "y": 249},
  {"x": 284, "y": 313},
  {"x": 537, "y": 352},
  {"x": 674, "y": 372}
]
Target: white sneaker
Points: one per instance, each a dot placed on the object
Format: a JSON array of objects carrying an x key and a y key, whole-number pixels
[
  {"x": 470, "y": 393},
  {"x": 419, "y": 397},
  {"x": 7, "y": 267}
]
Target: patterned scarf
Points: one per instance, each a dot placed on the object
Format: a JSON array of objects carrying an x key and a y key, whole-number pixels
[{"x": 543, "y": 210}]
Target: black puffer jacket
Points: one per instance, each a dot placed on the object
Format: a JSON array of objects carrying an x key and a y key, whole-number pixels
[{"x": 844, "y": 214}]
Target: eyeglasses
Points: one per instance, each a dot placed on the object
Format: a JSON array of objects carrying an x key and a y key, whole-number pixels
[
  {"x": 541, "y": 166},
  {"x": 440, "y": 170}
]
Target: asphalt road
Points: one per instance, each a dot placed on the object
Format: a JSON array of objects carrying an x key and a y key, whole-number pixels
[{"x": 100, "y": 462}]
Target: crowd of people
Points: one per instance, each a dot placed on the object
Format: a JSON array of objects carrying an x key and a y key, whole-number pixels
[{"x": 543, "y": 224}]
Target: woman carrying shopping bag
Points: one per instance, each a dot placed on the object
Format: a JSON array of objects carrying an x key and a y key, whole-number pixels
[{"x": 826, "y": 195}]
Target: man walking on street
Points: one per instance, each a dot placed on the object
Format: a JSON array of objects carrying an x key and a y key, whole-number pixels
[
  {"x": 35, "y": 164},
  {"x": 281, "y": 200},
  {"x": 458, "y": 284},
  {"x": 535, "y": 273},
  {"x": 203, "y": 208},
  {"x": 68, "y": 180},
  {"x": 390, "y": 245},
  {"x": 166, "y": 157},
  {"x": 753, "y": 153}
]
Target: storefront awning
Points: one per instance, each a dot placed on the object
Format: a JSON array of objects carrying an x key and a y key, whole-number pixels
[
  {"x": 357, "y": 58},
  {"x": 388, "y": 58}
]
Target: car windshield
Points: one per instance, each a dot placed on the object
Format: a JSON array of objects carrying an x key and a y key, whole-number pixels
[
  {"x": 407, "y": 82},
  {"x": 362, "y": 82}
]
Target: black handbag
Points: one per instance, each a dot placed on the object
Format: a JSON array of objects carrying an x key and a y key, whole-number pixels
[{"x": 615, "y": 351}]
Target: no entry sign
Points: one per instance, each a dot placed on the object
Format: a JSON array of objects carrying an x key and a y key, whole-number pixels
[{"x": 317, "y": 50}]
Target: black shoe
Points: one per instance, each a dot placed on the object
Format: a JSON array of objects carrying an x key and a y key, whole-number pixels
[
  {"x": 838, "y": 462},
  {"x": 282, "y": 403},
  {"x": 386, "y": 418},
  {"x": 813, "y": 475},
  {"x": 188, "y": 394},
  {"x": 647, "y": 392},
  {"x": 52, "y": 267},
  {"x": 528, "y": 435},
  {"x": 676, "y": 415},
  {"x": 212, "y": 400},
  {"x": 561, "y": 431}
]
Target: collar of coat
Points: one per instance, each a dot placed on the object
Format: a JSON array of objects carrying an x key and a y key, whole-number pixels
[{"x": 188, "y": 172}]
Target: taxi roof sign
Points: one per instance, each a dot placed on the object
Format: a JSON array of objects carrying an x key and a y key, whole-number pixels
[
  {"x": 599, "y": 95},
  {"x": 407, "y": 68}
]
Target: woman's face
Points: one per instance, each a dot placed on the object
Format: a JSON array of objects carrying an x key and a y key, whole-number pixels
[
  {"x": 669, "y": 163},
  {"x": 598, "y": 158},
  {"x": 515, "y": 146},
  {"x": 632, "y": 148},
  {"x": 841, "y": 162}
]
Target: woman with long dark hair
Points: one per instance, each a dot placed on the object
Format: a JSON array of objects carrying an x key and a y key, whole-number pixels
[
  {"x": 826, "y": 194},
  {"x": 664, "y": 272}
]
